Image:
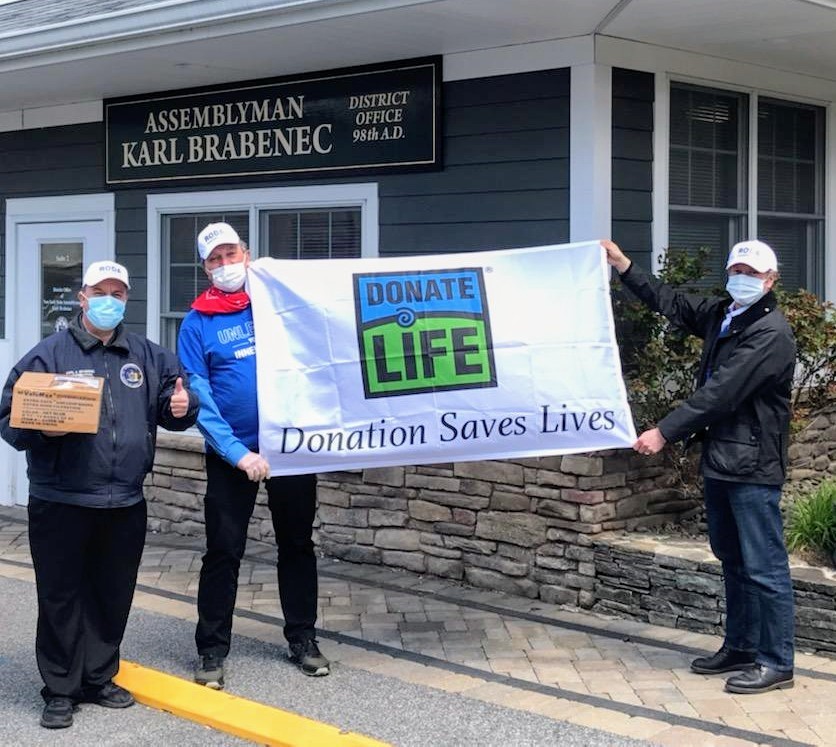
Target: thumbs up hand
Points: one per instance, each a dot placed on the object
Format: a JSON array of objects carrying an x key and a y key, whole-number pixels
[{"x": 179, "y": 402}]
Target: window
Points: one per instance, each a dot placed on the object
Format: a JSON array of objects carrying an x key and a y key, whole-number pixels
[
  {"x": 183, "y": 278},
  {"x": 791, "y": 189},
  {"x": 708, "y": 194},
  {"x": 338, "y": 221},
  {"x": 711, "y": 202}
]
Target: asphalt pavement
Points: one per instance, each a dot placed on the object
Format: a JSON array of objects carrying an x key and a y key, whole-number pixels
[
  {"x": 383, "y": 707},
  {"x": 417, "y": 660}
]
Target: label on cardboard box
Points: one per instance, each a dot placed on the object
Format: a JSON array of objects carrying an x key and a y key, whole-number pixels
[{"x": 57, "y": 402}]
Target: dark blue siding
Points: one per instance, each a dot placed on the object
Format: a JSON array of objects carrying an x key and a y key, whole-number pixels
[{"x": 505, "y": 181}]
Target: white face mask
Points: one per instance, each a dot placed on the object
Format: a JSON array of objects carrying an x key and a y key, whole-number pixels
[
  {"x": 745, "y": 289},
  {"x": 229, "y": 278}
]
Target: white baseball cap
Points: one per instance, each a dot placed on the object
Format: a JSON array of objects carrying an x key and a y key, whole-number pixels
[
  {"x": 758, "y": 255},
  {"x": 105, "y": 270},
  {"x": 214, "y": 235}
]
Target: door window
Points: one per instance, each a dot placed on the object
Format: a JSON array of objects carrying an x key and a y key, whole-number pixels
[{"x": 61, "y": 274}]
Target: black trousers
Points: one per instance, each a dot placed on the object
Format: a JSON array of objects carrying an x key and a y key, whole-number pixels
[
  {"x": 86, "y": 561},
  {"x": 229, "y": 503}
]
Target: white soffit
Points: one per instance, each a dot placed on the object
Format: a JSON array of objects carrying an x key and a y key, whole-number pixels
[
  {"x": 791, "y": 35},
  {"x": 169, "y": 44}
]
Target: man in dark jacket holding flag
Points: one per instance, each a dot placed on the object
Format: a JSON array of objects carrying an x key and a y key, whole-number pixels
[
  {"x": 741, "y": 413},
  {"x": 87, "y": 511}
]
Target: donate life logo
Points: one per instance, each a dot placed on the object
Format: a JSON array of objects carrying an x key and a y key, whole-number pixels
[{"x": 423, "y": 331}]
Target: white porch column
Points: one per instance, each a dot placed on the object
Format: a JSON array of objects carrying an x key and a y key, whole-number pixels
[{"x": 590, "y": 154}]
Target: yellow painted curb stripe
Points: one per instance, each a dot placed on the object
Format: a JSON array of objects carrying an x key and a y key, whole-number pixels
[{"x": 233, "y": 715}]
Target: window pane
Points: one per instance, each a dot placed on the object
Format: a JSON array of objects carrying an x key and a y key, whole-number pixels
[
  {"x": 679, "y": 174},
  {"x": 61, "y": 268},
  {"x": 766, "y": 183},
  {"x": 311, "y": 234},
  {"x": 182, "y": 244},
  {"x": 345, "y": 233},
  {"x": 702, "y": 179},
  {"x": 784, "y": 187},
  {"x": 692, "y": 231},
  {"x": 725, "y": 184},
  {"x": 805, "y": 192},
  {"x": 706, "y": 163},
  {"x": 316, "y": 235},
  {"x": 281, "y": 234},
  {"x": 790, "y": 169},
  {"x": 680, "y": 129},
  {"x": 186, "y": 284},
  {"x": 795, "y": 244}
]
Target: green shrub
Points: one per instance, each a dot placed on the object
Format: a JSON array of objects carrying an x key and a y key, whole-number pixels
[
  {"x": 811, "y": 524},
  {"x": 814, "y": 326},
  {"x": 660, "y": 361}
]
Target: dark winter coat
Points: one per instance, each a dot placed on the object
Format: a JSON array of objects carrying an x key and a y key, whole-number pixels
[
  {"x": 104, "y": 469},
  {"x": 741, "y": 407}
]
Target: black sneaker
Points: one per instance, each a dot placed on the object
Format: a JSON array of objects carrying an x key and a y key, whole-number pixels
[
  {"x": 58, "y": 713},
  {"x": 210, "y": 672},
  {"x": 307, "y": 656},
  {"x": 111, "y": 695}
]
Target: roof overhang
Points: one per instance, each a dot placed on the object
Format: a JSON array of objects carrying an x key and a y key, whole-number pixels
[{"x": 51, "y": 53}]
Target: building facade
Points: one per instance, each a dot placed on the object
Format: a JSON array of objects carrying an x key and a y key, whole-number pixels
[{"x": 123, "y": 130}]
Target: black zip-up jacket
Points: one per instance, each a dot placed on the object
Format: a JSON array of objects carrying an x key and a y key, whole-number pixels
[
  {"x": 741, "y": 407},
  {"x": 104, "y": 469}
]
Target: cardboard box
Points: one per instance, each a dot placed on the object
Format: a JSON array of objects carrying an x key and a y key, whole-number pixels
[{"x": 57, "y": 402}]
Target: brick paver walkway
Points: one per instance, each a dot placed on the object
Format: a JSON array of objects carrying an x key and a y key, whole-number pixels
[{"x": 624, "y": 677}]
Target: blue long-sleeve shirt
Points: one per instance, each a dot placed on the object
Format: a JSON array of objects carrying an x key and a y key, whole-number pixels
[{"x": 218, "y": 352}]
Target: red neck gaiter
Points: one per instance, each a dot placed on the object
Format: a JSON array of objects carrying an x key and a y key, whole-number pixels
[{"x": 213, "y": 301}]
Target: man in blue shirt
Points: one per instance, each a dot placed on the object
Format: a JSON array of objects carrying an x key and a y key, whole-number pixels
[{"x": 216, "y": 345}]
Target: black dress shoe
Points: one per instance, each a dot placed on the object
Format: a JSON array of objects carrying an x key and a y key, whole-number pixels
[
  {"x": 725, "y": 660},
  {"x": 759, "y": 679}
]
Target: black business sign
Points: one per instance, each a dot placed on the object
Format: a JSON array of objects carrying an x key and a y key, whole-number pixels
[{"x": 361, "y": 120}]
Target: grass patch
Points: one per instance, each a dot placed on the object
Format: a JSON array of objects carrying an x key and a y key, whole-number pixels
[{"x": 811, "y": 524}]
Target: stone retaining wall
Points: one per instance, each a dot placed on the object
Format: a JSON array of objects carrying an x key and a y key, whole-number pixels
[
  {"x": 522, "y": 526},
  {"x": 813, "y": 452},
  {"x": 678, "y": 583},
  {"x": 527, "y": 526}
]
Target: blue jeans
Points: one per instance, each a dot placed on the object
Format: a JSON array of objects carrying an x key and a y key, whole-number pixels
[{"x": 746, "y": 534}]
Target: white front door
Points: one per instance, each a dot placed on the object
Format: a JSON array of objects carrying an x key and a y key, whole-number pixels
[{"x": 46, "y": 263}]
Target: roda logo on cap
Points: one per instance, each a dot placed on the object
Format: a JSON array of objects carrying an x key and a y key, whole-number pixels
[{"x": 423, "y": 331}]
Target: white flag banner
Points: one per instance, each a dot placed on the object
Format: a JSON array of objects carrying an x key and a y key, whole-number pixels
[{"x": 439, "y": 358}]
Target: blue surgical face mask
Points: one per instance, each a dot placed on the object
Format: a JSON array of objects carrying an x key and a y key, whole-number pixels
[
  {"x": 104, "y": 312},
  {"x": 745, "y": 289}
]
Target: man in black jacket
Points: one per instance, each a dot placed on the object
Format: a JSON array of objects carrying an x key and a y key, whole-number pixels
[
  {"x": 87, "y": 512},
  {"x": 741, "y": 413}
]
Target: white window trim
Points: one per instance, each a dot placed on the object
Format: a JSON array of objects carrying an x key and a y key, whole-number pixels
[
  {"x": 362, "y": 195},
  {"x": 590, "y": 162}
]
